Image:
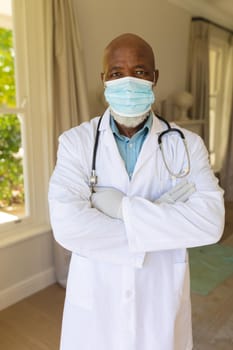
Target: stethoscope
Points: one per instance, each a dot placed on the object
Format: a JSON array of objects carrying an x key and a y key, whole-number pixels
[{"x": 182, "y": 173}]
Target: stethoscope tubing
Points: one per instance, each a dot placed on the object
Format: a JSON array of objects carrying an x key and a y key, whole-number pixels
[
  {"x": 183, "y": 173},
  {"x": 93, "y": 177}
]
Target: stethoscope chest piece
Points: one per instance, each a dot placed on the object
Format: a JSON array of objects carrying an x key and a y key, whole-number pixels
[{"x": 93, "y": 180}]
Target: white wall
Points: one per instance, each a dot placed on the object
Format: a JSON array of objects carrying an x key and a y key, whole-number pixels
[
  {"x": 163, "y": 25},
  {"x": 25, "y": 267}
]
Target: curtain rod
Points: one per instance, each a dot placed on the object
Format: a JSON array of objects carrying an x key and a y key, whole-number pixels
[{"x": 213, "y": 23}]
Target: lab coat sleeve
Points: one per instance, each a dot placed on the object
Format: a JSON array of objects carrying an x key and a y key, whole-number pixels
[
  {"x": 197, "y": 222},
  {"x": 76, "y": 225}
]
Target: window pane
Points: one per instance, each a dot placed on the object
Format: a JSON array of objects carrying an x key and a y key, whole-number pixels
[
  {"x": 215, "y": 66},
  {"x": 7, "y": 77},
  {"x": 11, "y": 169},
  {"x": 11, "y": 151}
]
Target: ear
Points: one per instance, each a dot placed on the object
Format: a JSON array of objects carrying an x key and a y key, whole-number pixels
[
  {"x": 156, "y": 76},
  {"x": 102, "y": 77}
]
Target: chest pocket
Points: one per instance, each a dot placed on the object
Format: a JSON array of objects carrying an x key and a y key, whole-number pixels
[{"x": 79, "y": 289}]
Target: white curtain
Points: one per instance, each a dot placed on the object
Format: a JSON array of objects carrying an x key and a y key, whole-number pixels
[
  {"x": 198, "y": 73},
  {"x": 70, "y": 106},
  {"x": 69, "y": 94}
]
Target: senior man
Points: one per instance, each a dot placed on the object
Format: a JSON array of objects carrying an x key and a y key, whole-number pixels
[{"x": 128, "y": 283}]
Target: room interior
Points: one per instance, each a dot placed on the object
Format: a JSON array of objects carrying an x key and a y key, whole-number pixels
[{"x": 33, "y": 268}]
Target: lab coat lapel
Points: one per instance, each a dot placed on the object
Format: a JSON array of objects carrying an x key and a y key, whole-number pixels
[
  {"x": 111, "y": 150},
  {"x": 150, "y": 145}
]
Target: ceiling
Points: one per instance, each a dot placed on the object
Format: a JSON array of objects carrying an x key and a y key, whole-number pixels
[
  {"x": 226, "y": 6},
  {"x": 218, "y": 11}
]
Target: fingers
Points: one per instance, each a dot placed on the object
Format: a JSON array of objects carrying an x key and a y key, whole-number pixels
[
  {"x": 165, "y": 198},
  {"x": 183, "y": 192},
  {"x": 178, "y": 187},
  {"x": 180, "y": 193},
  {"x": 185, "y": 196}
]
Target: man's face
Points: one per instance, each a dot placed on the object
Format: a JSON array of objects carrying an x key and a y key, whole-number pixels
[{"x": 132, "y": 60}]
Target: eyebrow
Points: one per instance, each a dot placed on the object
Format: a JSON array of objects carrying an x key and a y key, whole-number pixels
[
  {"x": 116, "y": 67},
  {"x": 139, "y": 66},
  {"x": 120, "y": 67}
]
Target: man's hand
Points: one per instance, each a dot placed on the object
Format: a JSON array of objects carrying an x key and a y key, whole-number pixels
[
  {"x": 179, "y": 193},
  {"x": 108, "y": 200}
]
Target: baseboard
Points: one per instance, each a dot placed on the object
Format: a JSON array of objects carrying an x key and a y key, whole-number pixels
[{"x": 26, "y": 288}]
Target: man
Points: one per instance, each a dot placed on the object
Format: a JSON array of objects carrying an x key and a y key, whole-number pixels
[{"x": 128, "y": 284}]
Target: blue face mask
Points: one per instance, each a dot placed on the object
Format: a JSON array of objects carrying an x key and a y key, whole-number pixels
[{"x": 129, "y": 96}]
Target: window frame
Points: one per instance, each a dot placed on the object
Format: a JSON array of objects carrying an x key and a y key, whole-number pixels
[
  {"x": 31, "y": 41},
  {"x": 220, "y": 46}
]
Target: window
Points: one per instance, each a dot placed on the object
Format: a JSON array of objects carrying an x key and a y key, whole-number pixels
[
  {"x": 31, "y": 118},
  {"x": 11, "y": 150},
  {"x": 220, "y": 69},
  {"x": 215, "y": 59}
]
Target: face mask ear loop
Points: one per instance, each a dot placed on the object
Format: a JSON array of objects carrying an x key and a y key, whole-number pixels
[
  {"x": 154, "y": 79},
  {"x": 103, "y": 80}
]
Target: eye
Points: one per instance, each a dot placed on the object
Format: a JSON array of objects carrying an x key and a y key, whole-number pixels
[
  {"x": 141, "y": 73},
  {"x": 115, "y": 75}
]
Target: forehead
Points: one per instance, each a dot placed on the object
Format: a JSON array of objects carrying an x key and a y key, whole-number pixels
[{"x": 128, "y": 56}]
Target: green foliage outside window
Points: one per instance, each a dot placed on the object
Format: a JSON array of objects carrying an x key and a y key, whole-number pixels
[{"x": 11, "y": 169}]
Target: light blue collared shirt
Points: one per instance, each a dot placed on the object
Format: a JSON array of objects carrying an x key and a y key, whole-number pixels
[{"x": 130, "y": 148}]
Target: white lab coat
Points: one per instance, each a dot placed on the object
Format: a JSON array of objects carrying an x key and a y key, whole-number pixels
[{"x": 128, "y": 283}]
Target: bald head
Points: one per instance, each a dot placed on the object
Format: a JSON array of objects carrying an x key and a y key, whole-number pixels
[
  {"x": 129, "y": 40},
  {"x": 129, "y": 55}
]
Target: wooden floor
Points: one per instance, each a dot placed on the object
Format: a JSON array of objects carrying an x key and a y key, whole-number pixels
[{"x": 34, "y": 323}]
